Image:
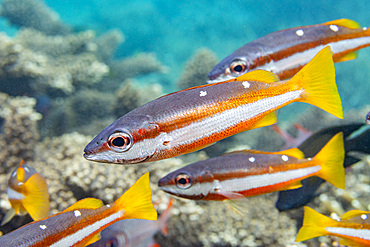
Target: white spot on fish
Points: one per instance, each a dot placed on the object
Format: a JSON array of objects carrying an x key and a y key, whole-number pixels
[
  {"x": 14, "y": 174},
  {"x": 27, "y": 170},
  {"x": 309, "y": 159},
  {"x": 299, "y": 32},
  {"x": 363, "y": 216},
  {"x": 77, "y": 213},
  {"x": 252, "y": 159},
  {"x": 42, "y": 227},
  {"x": 108, "y": 206},
  {"x": 203, "y": 93},
  {"x": 246, "y": 84},
  {"x": 20, "y": 183},
  {"x": 284, "y": 157},
  {"x": 364, "y": 28},
  {"x": 334, "y": 28}
]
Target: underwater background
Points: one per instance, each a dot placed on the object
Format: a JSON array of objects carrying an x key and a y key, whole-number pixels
[{"x": 70, "y": 68}]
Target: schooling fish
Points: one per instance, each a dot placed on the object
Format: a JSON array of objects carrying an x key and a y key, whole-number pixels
[
  {"x": 81, "y": 223},
  {"x": 285, "y": 52},
  {"x": 191, "y": 119},
  {"x": 250, "y": 173},
  {"x": 134, "y": 232},
  {"x": 356, "y": 139},
  {"x": 353, "y": 228},
  {"x": 28, "y": 193}
]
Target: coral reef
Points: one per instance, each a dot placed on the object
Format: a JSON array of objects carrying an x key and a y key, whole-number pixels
[
  {"x": 139, "y": 64},
  {"x": 33, "y": 14},
  {"x": 18, "y": 130},
  {"x": 197, "y": 68},
  {"x": 34, "y": 63}
]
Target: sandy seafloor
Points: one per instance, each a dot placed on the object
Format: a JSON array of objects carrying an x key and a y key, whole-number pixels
[{"x": 70, "y": 68}]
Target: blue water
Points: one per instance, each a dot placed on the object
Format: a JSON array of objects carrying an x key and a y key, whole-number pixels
[{"x": 174, "y": 30}]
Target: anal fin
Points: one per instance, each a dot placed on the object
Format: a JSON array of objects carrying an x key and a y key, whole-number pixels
[
  {"x": 346, "y": 57},
  {"x": 292, "y": 186},
  {"x": 267, "y": 120}
]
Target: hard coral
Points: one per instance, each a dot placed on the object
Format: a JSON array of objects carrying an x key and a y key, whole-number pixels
[
  {"x": 34, "y": 63},
  {"x": 197, "y": 68},
  {"x": 33, "y": 14},
  {"x": 18, "y": 133},
  {"x": 139, "y": 64}
]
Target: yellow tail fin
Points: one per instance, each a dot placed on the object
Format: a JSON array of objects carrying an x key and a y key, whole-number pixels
[
  {"x": 317, "y": 79},
  {"x": 314, "y": 225},
  {"x": 331, "y": 158},
  {"x": 36, "y": 200},
  {"x": 137, "y": 201}
]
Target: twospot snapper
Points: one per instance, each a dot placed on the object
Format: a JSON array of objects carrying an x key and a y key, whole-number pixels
[
  {"x": 250, "y": 173},
  {"x": 27, "y": 193},
  {"x": 356, "y": 140},
  {"x": 285, "y": 52},
  {"x": 81, "y": 223},
  {"x": 353, "y": 228},
  {"x": 191, "y": 119},
  {"x": 134, "y": 232}
]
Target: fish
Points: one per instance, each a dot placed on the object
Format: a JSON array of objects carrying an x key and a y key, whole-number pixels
[
  {"x": 250, "y": 173},
  {"x": 368, "y": 118},
  {"x": 290, "y": 141},
  {"x": 356, "y": 139},
  {"x": 194, "y": 118},
  {"x": 134, "y": 232},
  {"x": 28, "y": 194},
  {"x": 353, "y": 228},
  {"x": 285, "y": 52},
  {"x": 80, "y": 224}
]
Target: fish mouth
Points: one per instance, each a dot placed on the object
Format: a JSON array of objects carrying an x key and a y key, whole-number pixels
[
  {"x": 220, "y": 78},
  {"x": 107, "y": 158}
]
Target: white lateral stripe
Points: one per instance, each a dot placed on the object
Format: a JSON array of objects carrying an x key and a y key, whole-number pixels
[
  {"x": 302, "y": 58},
  {"x": 14, "y": 195},
  {"x": 243, "y": 184},
  {"x": 86, "y": 231},
  {"x": 357, "y": 233},
  {"x": 229, "y": 118},
  {"x": 268, "y": 179}
]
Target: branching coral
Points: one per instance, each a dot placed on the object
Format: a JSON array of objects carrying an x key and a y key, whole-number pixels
[
  {"x": 18, "y": 133},
  {"x": 33, "y": 14},
  {"x": 197, "y": 68}
]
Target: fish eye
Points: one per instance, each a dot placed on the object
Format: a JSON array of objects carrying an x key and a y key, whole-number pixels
[
  {"x": 238, "y": 67},
  {"x": 183, "y": 181},
  {"x": 120, "y": 141},
  {"x": 111, "y": 243}
]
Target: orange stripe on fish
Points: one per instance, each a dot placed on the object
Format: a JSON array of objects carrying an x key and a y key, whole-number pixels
[
  {"x": 28, "y": 193},
  {"x": 194, "y": 118},
  {"x": 285, "y": 52},
  {"x": 353, "y": 229},
  {"x": 250, "y": 173},
  {"x": 134, "y": 232},
  {"x": 80, "y": 224}
]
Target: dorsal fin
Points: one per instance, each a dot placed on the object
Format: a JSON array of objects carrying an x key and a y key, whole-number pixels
[
  {"x": 258, "y": 75},
  {"x": 353, "y": 213},
  {"x": 91, "y": 203},
  {"x": 344, "y": 23},
  {"x": 294, "y": 152}
]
